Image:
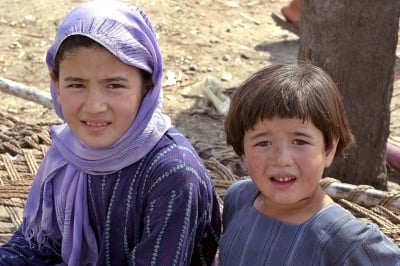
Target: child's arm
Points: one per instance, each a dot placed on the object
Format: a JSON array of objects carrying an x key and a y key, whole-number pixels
[
  {"x": 174, "y": 215},
  {"x": 377, "y": 249},
  {"x": 18, "y": 251}
]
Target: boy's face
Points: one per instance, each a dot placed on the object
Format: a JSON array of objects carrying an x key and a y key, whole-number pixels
[
  {"x": 99, "y": 95},
  {"x": 286, "y": 159}
]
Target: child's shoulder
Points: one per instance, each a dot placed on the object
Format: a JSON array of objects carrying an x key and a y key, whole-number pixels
[
  {"x": 341, "y": 224},
  {"x": 172, "y": 141},
  {"x": 173, "y": 138},
  {"x": 337, "y": 220},
  {"x": 244, "y": 185},
  {"x": 242, "y": 191},
  {"x": 344, "y": 234},
  {"x": 174, "y": 155}
]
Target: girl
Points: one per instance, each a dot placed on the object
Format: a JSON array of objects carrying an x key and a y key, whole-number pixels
[{"x": 119, "y": 185}]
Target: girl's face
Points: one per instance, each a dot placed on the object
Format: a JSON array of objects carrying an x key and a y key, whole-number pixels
[
  {"x": 286, "y": 159},
  {"x": 99, "y": 95}
]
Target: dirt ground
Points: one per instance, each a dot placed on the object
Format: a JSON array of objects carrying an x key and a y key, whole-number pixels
[{"x": 226, "y": 40}]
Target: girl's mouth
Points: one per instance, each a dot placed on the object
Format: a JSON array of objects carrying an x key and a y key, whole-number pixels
[{"x": 92, "y": 124}]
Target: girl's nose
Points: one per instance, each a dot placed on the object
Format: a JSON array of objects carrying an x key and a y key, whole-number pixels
[{"x": 95, "y": 102}]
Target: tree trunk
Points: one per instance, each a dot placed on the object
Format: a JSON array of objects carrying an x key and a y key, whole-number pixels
[{"x": 355, "y": 42}]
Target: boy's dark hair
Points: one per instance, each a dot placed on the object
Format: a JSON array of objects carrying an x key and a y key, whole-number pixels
[
  {"x": 76, "y": 41},
  {"x": 299, "y": 91}
]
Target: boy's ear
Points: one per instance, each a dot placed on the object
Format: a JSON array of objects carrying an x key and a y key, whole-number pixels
[
  {"x": 243, "y": 159},
  {"x": 330, "y": 153}
]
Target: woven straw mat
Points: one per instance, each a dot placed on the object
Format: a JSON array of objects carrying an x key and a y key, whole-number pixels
[{"x": 22, "y": 147}]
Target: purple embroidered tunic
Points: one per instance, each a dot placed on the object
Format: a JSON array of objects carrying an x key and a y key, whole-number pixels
[{"x": 162, "y": 210}]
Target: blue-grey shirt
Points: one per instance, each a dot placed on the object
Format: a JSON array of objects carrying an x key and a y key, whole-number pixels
[{"x": 332, "y": 236}]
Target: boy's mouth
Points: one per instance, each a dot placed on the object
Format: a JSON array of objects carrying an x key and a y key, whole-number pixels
[{"x": 283, "y": 179}]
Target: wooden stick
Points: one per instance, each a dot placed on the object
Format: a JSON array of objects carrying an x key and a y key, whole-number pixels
[
  {"x": 366, "y": 197},
  {"x": 27, "y": 93}
]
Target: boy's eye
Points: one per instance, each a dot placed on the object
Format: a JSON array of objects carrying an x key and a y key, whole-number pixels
[
  {"x": 300, "y": 142},
  {"x": 263, "y": 143}
]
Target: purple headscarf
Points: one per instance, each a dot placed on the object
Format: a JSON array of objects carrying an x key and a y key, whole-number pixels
[{"x": 57, "y": 204}]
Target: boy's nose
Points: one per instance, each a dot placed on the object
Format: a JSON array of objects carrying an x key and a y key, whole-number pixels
[{"x": 282, "y": 156}]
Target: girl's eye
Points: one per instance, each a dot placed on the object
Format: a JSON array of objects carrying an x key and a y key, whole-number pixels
[
  {"x": 300, "y": 142},
  {"x": 115, "y": 86},
  {"x": 263, "y": 143},
  {"x": 75, "y": 85}
]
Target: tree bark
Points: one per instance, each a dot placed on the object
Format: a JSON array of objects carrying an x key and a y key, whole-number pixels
[{"x": 355, "y": 42}]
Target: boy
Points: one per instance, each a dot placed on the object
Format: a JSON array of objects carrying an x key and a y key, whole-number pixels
[{"x": 288, "y": 123}]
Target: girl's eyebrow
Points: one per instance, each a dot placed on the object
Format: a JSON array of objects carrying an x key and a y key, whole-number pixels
[
  {"x": 112, "y": 79},
  {"x": 76, "y": 79}
]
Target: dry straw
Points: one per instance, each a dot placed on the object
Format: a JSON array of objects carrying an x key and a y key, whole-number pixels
[{"x": 29, "y": 143}]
